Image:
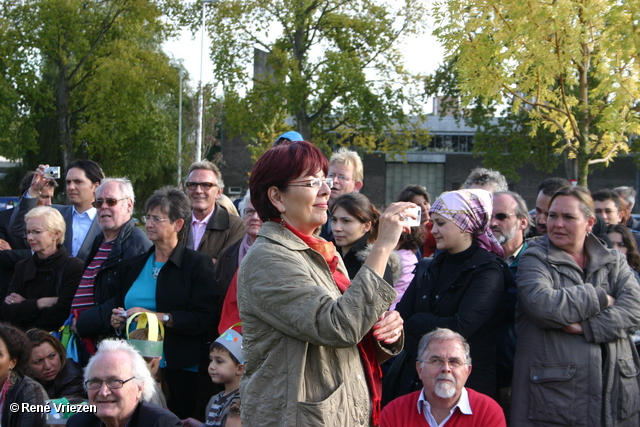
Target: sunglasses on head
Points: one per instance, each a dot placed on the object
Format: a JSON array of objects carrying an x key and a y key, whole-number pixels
[{"x": 110, "y": 202}]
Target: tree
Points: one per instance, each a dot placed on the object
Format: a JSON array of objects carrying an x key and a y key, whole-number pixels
[
  {"x": 571, "y": 66},
  {"x": 88, "y": 78},
  {"x": 332, "y": 66}
]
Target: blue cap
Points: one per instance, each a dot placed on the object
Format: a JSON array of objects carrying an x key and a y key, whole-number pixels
[{"x": 292, "y": 135}]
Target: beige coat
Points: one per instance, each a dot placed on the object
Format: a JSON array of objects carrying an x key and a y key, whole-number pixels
[
  {"x": 567, "y": 379},
  {"x": 300, "y": 335}
]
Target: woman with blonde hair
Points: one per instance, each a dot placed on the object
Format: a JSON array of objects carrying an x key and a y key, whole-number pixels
[{"x": 43, "y": 285}]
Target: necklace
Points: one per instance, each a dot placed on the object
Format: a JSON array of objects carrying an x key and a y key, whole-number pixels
[{"x": 156, "y": 270}]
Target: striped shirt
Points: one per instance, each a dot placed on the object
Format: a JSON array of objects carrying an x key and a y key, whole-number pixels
[{"x": 84, "y": 295}]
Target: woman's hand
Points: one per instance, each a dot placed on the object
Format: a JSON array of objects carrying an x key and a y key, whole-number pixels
[
  {"x": 118, "y": 317},
  {"x": 13, "y": 298},
  {"x": 47, "y": 302},
  {"x": 612, "y": 300},
  {"x": 392, "y": 223},
  {"x": 389, "y": 327},
  {"x": 573, "y": 328},
  {"x": 190, "y": 422}
]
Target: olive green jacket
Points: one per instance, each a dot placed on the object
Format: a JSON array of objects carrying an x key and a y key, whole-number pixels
[{"x": 300, "y": 335}]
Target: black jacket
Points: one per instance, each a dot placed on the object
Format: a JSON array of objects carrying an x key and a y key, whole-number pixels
[
  {"x": 471, "y": 304},
  {"x": 56, "y": 276},
  {"x": 131, "y": 242},
  {"x": 356, "y": 256},
  {"x": 145, "y": 415},
  {"x": 185, "y": 289},
  {"x": 69, "y": 383}
]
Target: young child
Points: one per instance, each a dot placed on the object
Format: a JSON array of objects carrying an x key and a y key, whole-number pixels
[
  {"x": 226, "y": 367},
  {"x": 137, "y": 338}
]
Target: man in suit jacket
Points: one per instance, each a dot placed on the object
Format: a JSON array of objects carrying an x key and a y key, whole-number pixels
[
  {"x": 83, "y": 177},
  {"x": 212, "y": 228}
]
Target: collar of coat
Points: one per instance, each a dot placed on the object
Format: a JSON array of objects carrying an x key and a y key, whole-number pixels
[{"x": 598, "y": 254}]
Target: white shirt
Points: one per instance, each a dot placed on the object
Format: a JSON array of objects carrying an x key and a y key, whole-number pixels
[
  {"x": 80, "y": 227},
  {"x": 198, "y": 227},
  {"x": 462, "y": 404}
]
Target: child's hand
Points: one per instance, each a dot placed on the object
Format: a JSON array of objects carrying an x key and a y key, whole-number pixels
[{"x": 191, "y": 422}]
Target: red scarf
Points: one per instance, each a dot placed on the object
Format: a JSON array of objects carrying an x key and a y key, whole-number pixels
[{"x": 372, "y": 370}]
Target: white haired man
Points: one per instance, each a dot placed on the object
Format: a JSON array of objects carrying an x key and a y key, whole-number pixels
[
  {"x": 444, "y": 364},
  {"x": 120, "y": 386}
]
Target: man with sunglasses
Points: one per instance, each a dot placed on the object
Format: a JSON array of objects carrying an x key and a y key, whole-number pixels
[
  {"x": 509, "y": 223},
  {"x": 212, "y": 228},
  {"x": 120, "y": 240},
  {"x": 83, "y": 177}
]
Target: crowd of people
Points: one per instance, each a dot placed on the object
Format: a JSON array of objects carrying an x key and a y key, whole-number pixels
[{"x": 310, "y": 306}]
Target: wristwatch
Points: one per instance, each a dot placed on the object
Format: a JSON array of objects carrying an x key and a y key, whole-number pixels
[{"x": 166, "y": 318}]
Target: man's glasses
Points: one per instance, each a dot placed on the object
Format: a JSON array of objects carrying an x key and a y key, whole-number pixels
[
  {"x": 204, "y": 185},
  {"x": 154, "y": 219},
  {"x": 438, "y": 362},
  {"x": 110, "y": 202},
  {"x": 501, "y": 216},
  {"x": 313, "y": 183},
  {"x": 112, "y": 384},
  {"x": 339, "y": 177}
]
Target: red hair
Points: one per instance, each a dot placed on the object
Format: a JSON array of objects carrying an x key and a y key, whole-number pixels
[{"x": 278, "y": 167}]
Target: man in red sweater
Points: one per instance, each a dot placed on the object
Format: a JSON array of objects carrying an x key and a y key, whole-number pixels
[{"x": 444, "y": 364}]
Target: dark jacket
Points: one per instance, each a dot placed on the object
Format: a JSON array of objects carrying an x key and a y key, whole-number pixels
[
  {"x": 471, "y": 304},
  {"x": 18, "y": 226},
  {"x": 357, "y": 255},
  {"x": 69, "y": 383},
  {"x": 131, "y": 242},
  {"x": 145, "y": 415},
  {"x": 57, "y": 275},
  {"x": 23, "y": 390},
  {"x": 185, "y": 289},
  {"x": 223, "y": 229},
  {"x": 227, "y": 265}
]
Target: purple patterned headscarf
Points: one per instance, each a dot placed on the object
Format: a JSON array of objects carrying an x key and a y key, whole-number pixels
[{"x": 470, "y": 210}]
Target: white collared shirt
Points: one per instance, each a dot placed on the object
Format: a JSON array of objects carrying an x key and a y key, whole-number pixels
[
  {"x": 513, "y": 256},
  {"x": 198, "y": 227},
  {"x": 462, "y": 404},
  {"x": 80, "y": 225}
]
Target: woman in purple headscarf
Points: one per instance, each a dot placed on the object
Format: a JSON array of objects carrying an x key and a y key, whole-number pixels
[{"x": 462, "y": 289}]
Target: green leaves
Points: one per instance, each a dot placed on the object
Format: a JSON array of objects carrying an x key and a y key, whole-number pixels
[
  {"x": 570, "y": 66},
  {"x": 332, "y": 66}
]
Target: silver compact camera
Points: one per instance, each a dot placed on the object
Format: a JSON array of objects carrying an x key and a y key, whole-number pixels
[{"x": 52, "y": 172}]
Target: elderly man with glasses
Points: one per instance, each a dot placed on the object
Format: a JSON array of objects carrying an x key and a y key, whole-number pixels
[
  {"x": 444, "y": 364},
  {"x": 120, "y": 240},
  {"x": 120, "y": 387},
  {"x": 212, "y": 228}
]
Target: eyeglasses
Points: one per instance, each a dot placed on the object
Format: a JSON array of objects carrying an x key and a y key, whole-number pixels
[
  {"x": 248, "y": 213},
  {"x": 314, "y": 183},
  {"x": 34, "y": 232},
  {"x": 204, "y": 185},
  {"x": 501, "y": 216},
  {"x": 438, "y": 362},
  {"x": 339, "y": 177},
  {"x": 112, "y": 384},
  {"x": 154, "y": 219},
  {"x": 110, "y": 202}
]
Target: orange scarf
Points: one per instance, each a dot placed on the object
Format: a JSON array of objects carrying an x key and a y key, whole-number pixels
[{"x": 366, "y": 347}]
